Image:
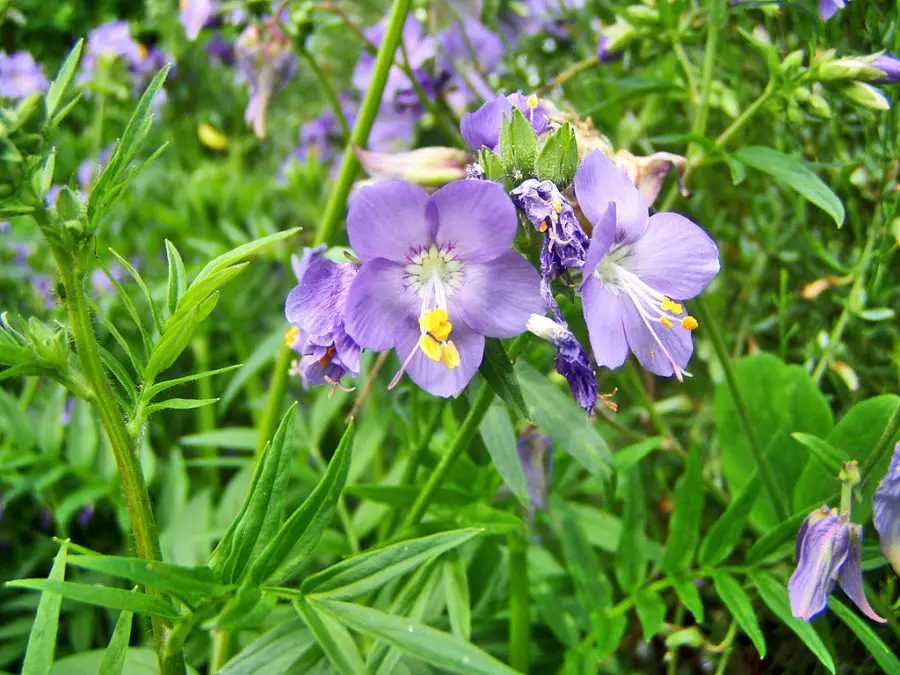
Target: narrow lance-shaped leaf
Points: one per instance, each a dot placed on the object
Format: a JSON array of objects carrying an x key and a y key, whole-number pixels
[
  {"x": 114, "y": 657},
  {"x": 101, "y": 596},
  {"x": 62, "y": 80},
  {"x": 497, "y": 370},
  {"x": 883, "y": 655},
  {"x": 42, "y": 640},
  {"x": 241, "y": 253},
  {"x": 500, "y": 440},
  {"x": 738, "y": 603},
  {"x": 726, "y": 532},
  {"x": 456, "y": 594},
  {"x": 830, "y": 457},
  {"x": 177, "y": 278},
  {"x": 334, "y": 639},
  {"x": 684, "y": 526}
]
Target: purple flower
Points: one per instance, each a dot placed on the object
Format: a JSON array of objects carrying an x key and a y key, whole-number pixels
[
  {"x": 4, "y": 226},
  {"x": 44, "y": 288},
  {"x": 828, "y": 553},
  {"x": 438, "y": 276},
  {"x": 221, "y": 50},
  {"x": 532, "y": 17},
  {"x": 566, "y": 243},
  {"x": 469, "y": 52},
  {"x": 85, "y": 515},
  {"x": 196, "y": 15},
  {"x": 828, "y": 8},
  {"x": 890, "y": 66},
  {"x": 481, "y": 129},
  {"x": 536, "y": 455},
  {"x": 886, "y": 504},
  {"x": 571, "y": 360},
  {"x": 634, "y": 268},
  {"x": 106, "y": 43},
  {"x": 101, "y": 283},
  {"x": 265, "y": 62},
  {"x": 316, "y": 309},
  {"x": 20, "y": 76}
]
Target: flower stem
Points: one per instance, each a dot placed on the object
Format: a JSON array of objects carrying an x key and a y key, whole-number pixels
[
  {"x": 572, "y": 71},
  {"x": 384, "y": 61},
  {"x": 330, "y": 94},
  {"x": 519, "y": 603},
  {"x": 747, "y": 115},
  {"x": 765, "y": 471}
]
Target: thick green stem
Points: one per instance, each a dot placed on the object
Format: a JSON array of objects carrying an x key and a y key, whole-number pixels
[
  {"x": 519, "y": 603},
  {"x": 765, "y": 471},
  {"x": 275, "y": 400},
  {"x": 384, "y": 61}
]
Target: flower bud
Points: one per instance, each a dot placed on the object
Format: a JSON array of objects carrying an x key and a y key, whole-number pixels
[
  {"x": 70, "y": 204},
  {"x": 866, "y": 95},
  {"x": 847, "y": 69},
  {"x": 211, "y": 137},
  {"x": 428, "y": 167},
  {"x": 890, "y": 66}
]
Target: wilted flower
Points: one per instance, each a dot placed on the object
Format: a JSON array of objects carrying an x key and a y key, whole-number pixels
[
  {"x": 265, "y": 62},
  {"x": 20, "y": 75},
  {"x": 572, "y": 361},
  {"x": 637, "y": 270},
  {"x": 195, "y": 15},
  {"x": 828, "y": 553},
  {"x": 890, "y": 66},
  {"x": 536, "y": 455},
  {"x": 428, "y": 167},
  {"x": 828, "y": 8},
  {"x": 649, "y": 173},
  {"x": 438, "y": 276},
  {"x": 105, "y": 44},
  {"x": 315, "y": 308},
  {"x": 481, "y": 129},
  {"x": 886, "y": 517}
]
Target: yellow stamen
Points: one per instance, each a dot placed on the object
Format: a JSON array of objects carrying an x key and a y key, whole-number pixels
[
  {"x": 689, "y": 323},
  {"x": 430, "y": 347},
  {"x": 533, "y": 101},
  {"x": 437, "y": 324},
  {"x": 669, "y": 306},
  {"x": 556, "y": 204},
  {"x": 449, "y": 354},
  {"x": 543, "y": 227},
  {"x": 291, "y": 336},
  {"x": 664, "y": 320}
]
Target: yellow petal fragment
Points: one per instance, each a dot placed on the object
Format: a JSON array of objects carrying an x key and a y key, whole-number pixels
[
  {"x": 449, "y": 354},
  {"x": 664, "y": 320},
  {"x": 689, "y": 323},
  {"x": 437, "y": 324},
  {"x": 430, "y": 347}
]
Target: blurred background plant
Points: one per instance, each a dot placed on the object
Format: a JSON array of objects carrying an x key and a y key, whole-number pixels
[{"x": 636, "y": 540}]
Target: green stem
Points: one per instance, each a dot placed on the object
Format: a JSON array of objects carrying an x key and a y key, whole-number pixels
[
  {"x": 274, "y": 403},
  {"x": 223, "y": 643},
  {"x": 458, "y": 447},
  {"x": 634, "y": 377},
  {"x": 519, "y": 603},
  {"x": 747, "y": 115},
  {"x": 713, "y": 19},
  {"x": 765, "y": 471},
  {"x": 566, "y": 75},
  {"x": 369, "y": 109},
  {"x": 681, "y": 55},
  {"x": 330, "y": 94}
]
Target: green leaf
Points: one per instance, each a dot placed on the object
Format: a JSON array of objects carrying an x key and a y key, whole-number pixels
[
  {"x": 179, "y": 404},
  {"x": 263, "y": 353},
  {"x": 631, "y": 455},
  {"x": 367, "y": 571},
  {"x": 518, "y": 144},
  {"x": 631, "y": 557},
  {"x": 263, "y": 507},
  {"x": 775, "y": 538},
  {"x": 882, "y": 654},
  {"x": 276, "y": 651},
  {"x": 684, "y": 526},
  {"x": 497, "y": 370},
  {"x": 114, "y": 658},
  {"x": 418, "y": 640},
  {"x": 62, "y": 81},
  {"x": 591, "y": 585},
  {"x": 500, "y": 440},
  {"x": 690, "y": 597},
  {"x": 233, "y": 438},
  {"x": 493, "y": 167},
  {"x": 82, "y": 439},
  {"x": 726, "y": 532},
  {"x": 828, "y": 456},
  {"x": 288, "y": 549},
  {"x": 557, "y": 415},
  {"x": 246, "y": 609},
  {"x": 333, "y": 638},
  {"x": 241, "y": 253},
  {"x": 199, "y": 292},
  {"x": 793, "y": 173},
  {"x": 651, "y": 611},
  {"x": 775, "y": 595},
  {"x": 160, "y": 387},
  {"x": 101, "y": 596},
  {"x": 177, "y": 277},
  {"x": 558, "y": 158},
  {"x": 456, "y": 595},
  {"x": 738, "y": 603},
  {"x": 42, "y": 640}
]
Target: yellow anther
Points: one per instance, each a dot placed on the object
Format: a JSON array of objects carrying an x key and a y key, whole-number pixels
[
  {"x": 689, "y": 323},
  {"x": 533, "y": 101},
  {"x": 669, "y": 306},
  {"x": 437, "y": 324},
  {"x": 556, "y": 204},
  {"x": 543, "y": 227},
  {"x": 291, "y": 336},
  {"x": 430, "y": 347},
  {"x": 664, "y": 320},
  {"x": 142, "y": 51},
  {"x": 449, "y": 354}
]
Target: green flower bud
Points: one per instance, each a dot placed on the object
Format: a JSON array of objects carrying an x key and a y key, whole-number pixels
[
  {"x": 70, "y": 205},
  {"x": 847, "y": 69},
  {"x": 866, "y": 95}
]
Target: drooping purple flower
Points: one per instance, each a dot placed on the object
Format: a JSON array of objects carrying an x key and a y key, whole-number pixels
[
  {"x": 316, "y": 310},
  {"x": 637, "y": 271},
  {"x": 828, "y": 553},
  {"x": 536, "y": 455},
  {"x": 828, "y": 8},
  {"x": 890, "y": 66},
  {"x": 107, "y": 43},
  {"x": 265, "y": 62},
  {"x": 196, "y": 15},
  {"x": 565, "y": 244},
  {"x": 886, "y": 506},
  {"x": 481, "y": 129},
  {"x": 20, "y": 75},
  {"x": 438, "y": 276},
  {"x": 572, "y": 361},
  {"x": 221, "y": 50},
  {"x": 469, "y": 52}
]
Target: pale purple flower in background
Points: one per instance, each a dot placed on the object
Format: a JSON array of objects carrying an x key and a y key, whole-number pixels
[
  {"x": 316, "y": 308},
  {"x": 221, "y": 50},
  {"x": 102, "y": 284},
  {"x": 20, "y": 75},
  {"x": 536, "y": 455},
  {"x": 481, "y": 129},
  {"x": 66, "y": 417},
  {"x": 890, "y": 66},
  {"x": 828, "y": 553},
  {"x": 828, "y": 8},
  {"x": 438, "y": 277},
  {"x": 526, "y": 18},
  {"x": 886, "y": 516},
  {"x": 44, "y": 289},
  {"x": 196, "y": 15},
  {"x": 265, "y": 62},
  {"x": 21, "y": 258},
  {"x": 90, "y": 168},
  {"x": 145, "y": 70},
  {"x": 572, "y": 361},
  {"x": 637, "y": 271},
  {"x": 4, "y": 226},
  {"x": 107, "y": 43},
  {"x": 85, "y": 515},
  {"x": 470, "y": 51}
]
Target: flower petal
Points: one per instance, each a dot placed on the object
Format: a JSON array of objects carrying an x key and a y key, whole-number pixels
[
  {"x": 662, "y": 351},
  {"x": 378, "y": 302},
  {"x": 886, "y": 505},
  {"x": 675, "y": 256},
  {"x": 317, "y": 303},
  {"x": 496, "y": 298},
  {"x": 851, "y": 581},
  {"x": 599, "y": 183},
  {"x": 602, "y": 239},
  {"x": 481, "y": 129},
  {"x": 603, "y": 316},
  {"x": 433, "y": 376},
  {"x": 476, "y": 217},
  {"x": 823, "y": 550},
  {"x": 387, "y": 220}
]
